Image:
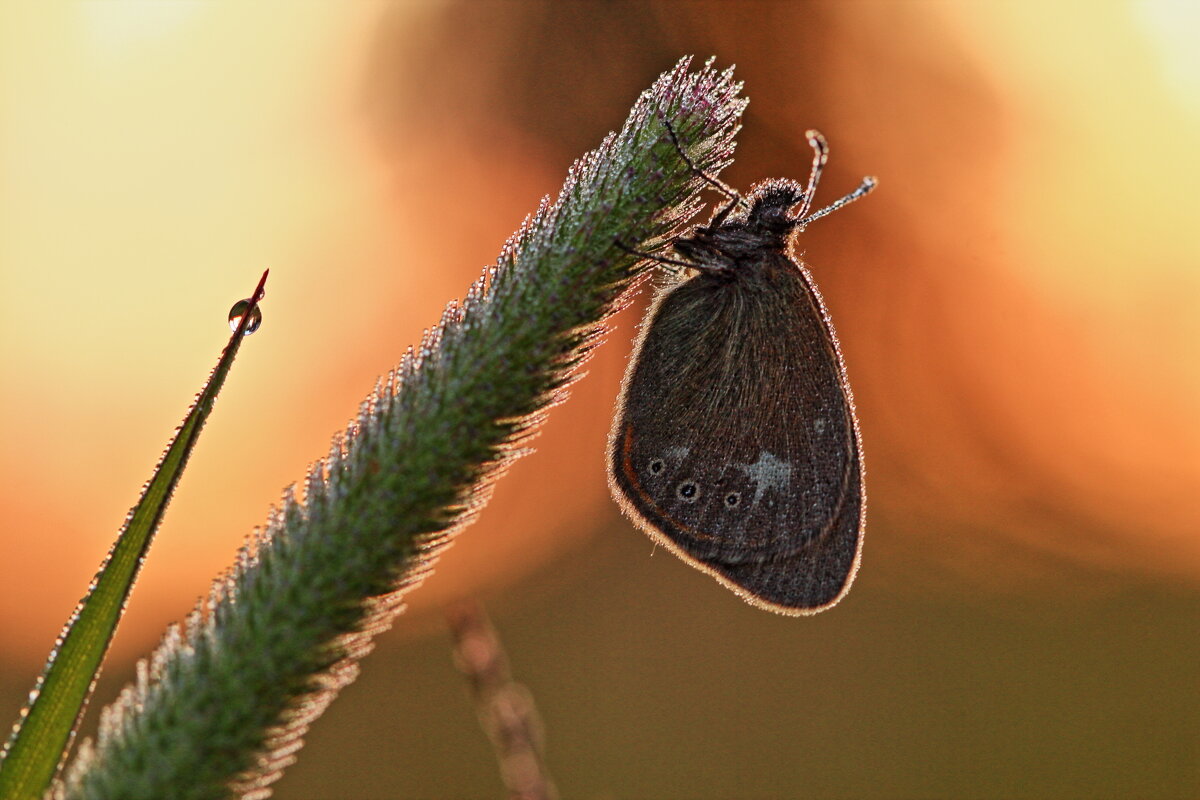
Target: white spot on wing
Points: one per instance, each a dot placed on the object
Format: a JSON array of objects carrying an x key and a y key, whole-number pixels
[{"x": 768, "y": 472}]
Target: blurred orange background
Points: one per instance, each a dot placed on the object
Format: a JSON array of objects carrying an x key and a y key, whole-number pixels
[{"x": 1019, "y": 306}]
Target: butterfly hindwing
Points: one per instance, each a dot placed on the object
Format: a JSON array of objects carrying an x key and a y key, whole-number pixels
[{"x": 750, "y": 473}]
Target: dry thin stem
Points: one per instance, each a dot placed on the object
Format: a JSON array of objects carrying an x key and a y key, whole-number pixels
[{"x": 506, "y": 709}]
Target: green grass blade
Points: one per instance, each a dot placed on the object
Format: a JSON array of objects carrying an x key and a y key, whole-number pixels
[{"x": 43, "y": 734}]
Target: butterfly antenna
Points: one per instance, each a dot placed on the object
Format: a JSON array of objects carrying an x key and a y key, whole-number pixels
[
  {"x": 820, "y": 156},
  {"x": 865, "y": 188}
]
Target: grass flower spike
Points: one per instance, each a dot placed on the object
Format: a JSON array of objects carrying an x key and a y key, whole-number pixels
[{"x": 221, "y": 707}]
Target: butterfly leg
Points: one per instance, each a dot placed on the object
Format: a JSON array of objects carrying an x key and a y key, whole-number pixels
[
  {"x": 663, "y": 260},
  {"x": 730, "y": 193}
]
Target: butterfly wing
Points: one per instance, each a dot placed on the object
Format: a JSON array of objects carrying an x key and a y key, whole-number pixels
[{"x": 735, "y": 442}]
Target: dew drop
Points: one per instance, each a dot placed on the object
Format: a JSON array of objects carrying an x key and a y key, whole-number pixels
[{"x": 235, "y": 317}]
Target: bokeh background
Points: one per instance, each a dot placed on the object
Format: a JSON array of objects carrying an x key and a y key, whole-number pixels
[{"x": 1019, "y": 306}]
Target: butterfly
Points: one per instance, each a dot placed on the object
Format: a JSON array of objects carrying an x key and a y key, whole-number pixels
[{"x": 735, "y": 443}]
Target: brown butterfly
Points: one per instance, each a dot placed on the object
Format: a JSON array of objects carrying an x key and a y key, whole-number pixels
[{"x": 735, "y": 442}]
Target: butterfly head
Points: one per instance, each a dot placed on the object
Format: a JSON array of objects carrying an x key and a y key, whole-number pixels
[{"x": 760, "y": 223}]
